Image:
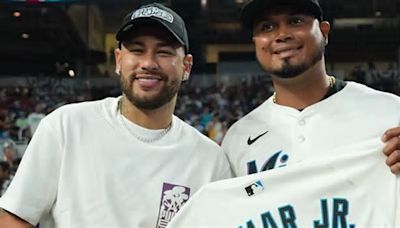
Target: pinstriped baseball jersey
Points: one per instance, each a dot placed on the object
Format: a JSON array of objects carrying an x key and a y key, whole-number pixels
[
  {"x": 351, "y": 188},
  {"x": 273, "y": 136}
]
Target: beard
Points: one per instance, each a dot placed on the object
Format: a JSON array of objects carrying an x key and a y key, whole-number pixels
[
  {"x": 167, "y": 93},
  {"x": 288, "y": 70}
]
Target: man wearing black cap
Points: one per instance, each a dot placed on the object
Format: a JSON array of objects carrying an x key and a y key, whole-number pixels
[
  {"x": 290, "y": 38},
  {"x": 119, "y": 162},
  {"x": 318, "y": 137}
]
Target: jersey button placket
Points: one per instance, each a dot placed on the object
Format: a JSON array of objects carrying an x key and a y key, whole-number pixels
[
  {"x": 299, "y": 139},
  {"x": 301, "y": 123}
]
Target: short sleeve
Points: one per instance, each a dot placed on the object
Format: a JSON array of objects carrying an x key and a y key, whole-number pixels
[{"x": 33, "y": 190}]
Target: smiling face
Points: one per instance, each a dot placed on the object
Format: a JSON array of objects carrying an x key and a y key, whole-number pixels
[
  {"x": 152, "y": 65},
  {"x": 288, "y": 42}
]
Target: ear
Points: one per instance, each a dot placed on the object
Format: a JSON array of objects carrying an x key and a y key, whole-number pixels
[
  {"x": 325, "y": 27},
  {"x": 117, "y": 55},
  {"x": 187, "y": 66}
]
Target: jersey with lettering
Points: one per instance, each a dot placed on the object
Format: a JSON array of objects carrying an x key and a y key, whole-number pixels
[
  {"x": 352, "y": 188},
  {"x": 273, "y": 136},
  {"x": 85, "y": 168}
]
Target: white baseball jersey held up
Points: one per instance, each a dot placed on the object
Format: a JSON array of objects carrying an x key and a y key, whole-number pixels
[
  {"x": 84, "y": 168},
  {"x": 352, "y": 188}
]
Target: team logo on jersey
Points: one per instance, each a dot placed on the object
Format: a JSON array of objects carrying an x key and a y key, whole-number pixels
[
  {"x": 279, "y": 159},
  {"x": 251, "y": 141},
  {"x": 254, "y": 188},
  {"x": 172, "y": 199}
]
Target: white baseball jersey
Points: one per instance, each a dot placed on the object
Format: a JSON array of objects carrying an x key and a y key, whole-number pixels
[
  {"x": 273, "y": 136},
  {"x": 351, "y": 188},
  {"x": 84, "y": 168}
]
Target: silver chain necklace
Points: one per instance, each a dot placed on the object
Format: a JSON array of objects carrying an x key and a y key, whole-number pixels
[{"x": 138, "y": 137}]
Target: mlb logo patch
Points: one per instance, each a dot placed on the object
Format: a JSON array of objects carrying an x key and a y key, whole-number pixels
[{"x": 254, "y": 188}]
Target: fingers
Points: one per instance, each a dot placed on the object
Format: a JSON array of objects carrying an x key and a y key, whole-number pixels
[
  {"x": 391, "y": 145},
  {"x": 393, "y": 161},
  {"x": 392, "y": 132},
  {"x": 393, "y": 158},
  {"x": 395, "y": 169},
  {"x": 391, "y": 149}
]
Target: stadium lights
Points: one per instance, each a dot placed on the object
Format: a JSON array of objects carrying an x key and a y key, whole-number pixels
[
  {"x": 25, "y": 35},
  {"x": 16, "y": 14},
  {"x": 203, "y": 3},
  {"x": 71, "y": 73}
]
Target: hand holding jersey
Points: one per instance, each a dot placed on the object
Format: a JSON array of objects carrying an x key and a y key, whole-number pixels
[{"x": 392, "y": 149}]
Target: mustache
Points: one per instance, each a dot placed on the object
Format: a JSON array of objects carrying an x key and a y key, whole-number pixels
[{"x": 133, "y": 75}]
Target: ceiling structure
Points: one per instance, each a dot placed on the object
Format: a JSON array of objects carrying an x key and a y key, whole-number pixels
[
  {"x": 39, "y": 37},
  {"x": 34, "y": 36}
]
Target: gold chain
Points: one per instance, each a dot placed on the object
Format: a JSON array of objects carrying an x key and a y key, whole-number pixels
[
  {"x": 331, "y": 79},
  {"x": 138, "y": 137}
]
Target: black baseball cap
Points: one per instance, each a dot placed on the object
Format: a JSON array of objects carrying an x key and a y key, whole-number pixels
[
  {"x": 253, "y": 8},
  {"x": 158, "y": 13}
]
